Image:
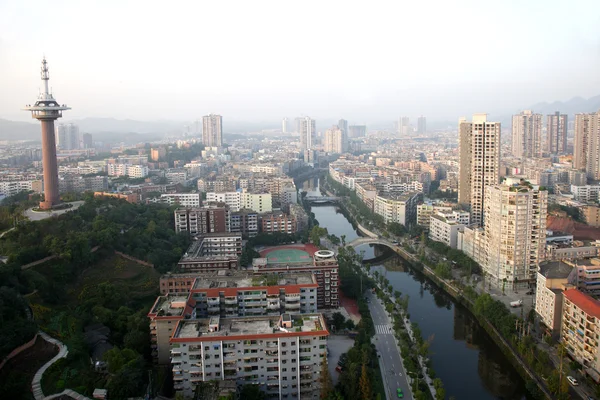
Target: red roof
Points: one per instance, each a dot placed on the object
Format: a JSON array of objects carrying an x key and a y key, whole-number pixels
[{"x": 588, "y": 304}]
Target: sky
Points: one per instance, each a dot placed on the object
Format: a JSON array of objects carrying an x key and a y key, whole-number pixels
[{"x": 257, "y": 60}]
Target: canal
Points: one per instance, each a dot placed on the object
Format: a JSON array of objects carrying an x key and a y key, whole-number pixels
[{"x": 464, "y": 357}]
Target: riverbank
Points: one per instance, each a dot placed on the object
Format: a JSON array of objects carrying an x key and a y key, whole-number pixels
[{"x": 457, "y": 294}]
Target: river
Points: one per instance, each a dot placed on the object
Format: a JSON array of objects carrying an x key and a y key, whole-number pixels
[{"x": 464, "y": 357}]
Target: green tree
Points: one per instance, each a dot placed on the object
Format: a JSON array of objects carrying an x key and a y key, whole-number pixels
[
  {"x": 325, "y": 379},
  {"x": 365, "y": 384},
  {"x": 252, "y": 392}
]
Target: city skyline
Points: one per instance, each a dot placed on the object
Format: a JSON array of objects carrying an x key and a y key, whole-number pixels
[{"x": 412, "y": 88}]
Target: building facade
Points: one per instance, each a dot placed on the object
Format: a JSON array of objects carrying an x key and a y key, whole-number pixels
[
  {"x": 307, "y": 130},
  {"x": 189, "y": 200},
  {"x": 556, "y": 133},
  {"x": 334, "y": 140},
  {"x": 212, "y": 130},
  {"x": 586, "y": 151},
  {"x": 199, "y": 221},
  {"x": 552, "y": 279},
  {"x": 444, "y": 227},
  {"x": 527, "y": 135},
  {"x": 479, "y": 165},
  {"x": 400, "y": 208}
]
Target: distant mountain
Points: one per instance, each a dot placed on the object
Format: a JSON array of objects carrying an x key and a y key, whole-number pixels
[
  {"x": 13, "y": 130},
  {"x": 571, "y": 107},
  {"x": 99, "y": 125}
]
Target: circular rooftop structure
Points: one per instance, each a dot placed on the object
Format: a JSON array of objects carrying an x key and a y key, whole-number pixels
[{"x": 324, "y": 254}]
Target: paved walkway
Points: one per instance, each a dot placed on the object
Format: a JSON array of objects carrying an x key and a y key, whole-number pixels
[{"x": 36, "y": 383}]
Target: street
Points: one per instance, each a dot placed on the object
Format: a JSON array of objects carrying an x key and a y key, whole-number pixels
[{"x": 392, "y": 371}]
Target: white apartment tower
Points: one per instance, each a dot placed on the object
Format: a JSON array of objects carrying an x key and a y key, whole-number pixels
[
  {"x": 212, "y": 130},
  {"x": 479, "y": 164},
  {"x": 527, "y": 135},
  {"x": 586, "y": 152},
  {"x": 556, "y": 133},
  {"x": 307, "y": 132},
  {"x": 334, "y": 140},
  {"x": 515, "y": 234},
  {"x": 67, "y": 136},
  {"x": 284, "y": 125}
]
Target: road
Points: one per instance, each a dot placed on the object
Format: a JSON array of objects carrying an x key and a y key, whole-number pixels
[{"x": 392, "y": 371}]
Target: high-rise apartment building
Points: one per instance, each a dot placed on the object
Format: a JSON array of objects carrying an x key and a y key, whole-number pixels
[
  {"x": 356, "y": 131},
  {"x": 67, "y": 136},
  {"x": 87, "y": 141},
  {"x": 404, "y": 126},
  {"x": 586, "y": 154},
  {"x": 527, "y": 135},
  {"x": 334, "y": 140},
  {"x": 421, "y": 125},
  {"x": 556, "y": 133},
  {"x": 307, "y": 133},
  {"x": 212, "y": 130},
  {"x": 343, "y": 125},
  {"x": 479, "y": 165},
  {"x": 158, "y": 153},
  {"x": 284, "y": 125},
  {"x": 197, "y": 221},
  {"x": 515, "y": 233}
]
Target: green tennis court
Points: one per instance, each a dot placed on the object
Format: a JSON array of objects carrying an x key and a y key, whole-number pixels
[{"x": 287, "y": 256}]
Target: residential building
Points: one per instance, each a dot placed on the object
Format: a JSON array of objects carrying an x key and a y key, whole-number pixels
[
  {"x": 343, "y": 125},
  {"x": 297, "y": 211},
  {"x": 586, "y": 193},
  {"x": 232, "y": 199},
  {"x": 67, "y": 136},
  {"x": 87, "y": 142},
  {"x": 307, "y": 133},
  {"x": 10, "y": 188},
  {"x": 527, "y": 135},
  {"x": 586, "y": 152},
  {"x": 586, "y": 276},
  {"x": 324, "y": 266},
  {"x": 158, "y": 153},
  {"x": 334, "y": 140},
  {"x": 421, "y": 125},
  {"x": 400, "y": 208},
  {"x": 580, "y": 331},
  {"x": 284, "y": 125},
  {"x": 556, "y": 133},
  {"x": 471, "y": 241},
  {"x": 404, "y": 126},
  {"x": 188, "y": 200},
  {"x": 357, "y": 131},
  {"x": 164, "y": 315},
  {"x": 574, "y": 251},
  {"x": 552, "y": 279},
  {"x": 278, "y": 222},
  {"x": 444, "y": 227},
  {"x": 244, "y": 222},
  {"x": 212, "y": 130},
  {"x": 479, "y": 165},
  {"x": 259, "y": 202},
  {"x": 177, "y": 176},
  {"x": 133, "y": 171},
  {"x": 281, "y": 354},
  {"x": 199, "y": 221},
  {"x": 212, "y": 252},
  {"x": 515, "y": 232},
  {"x": 78, "y": 183},
  {"x": 591, "y": 214}
]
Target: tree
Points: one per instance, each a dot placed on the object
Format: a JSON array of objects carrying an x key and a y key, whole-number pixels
[
  {"x": 338, "y": 320},
  {"x": 365, "y": 384},
  {"x": 325, "y": 379},
  {"x": 252, "y": 392}
]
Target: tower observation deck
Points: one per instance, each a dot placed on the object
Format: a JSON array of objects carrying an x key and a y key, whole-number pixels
[{"x": 46, "y": 109}]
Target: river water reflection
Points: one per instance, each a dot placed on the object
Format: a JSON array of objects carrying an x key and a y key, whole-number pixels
[{"x": 470, "y": 365}]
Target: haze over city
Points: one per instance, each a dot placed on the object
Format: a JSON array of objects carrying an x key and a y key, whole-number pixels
[{"x": 264, "y": 60}]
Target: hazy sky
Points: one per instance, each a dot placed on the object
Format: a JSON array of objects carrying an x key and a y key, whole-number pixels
[{"x": 256, "y": 60}]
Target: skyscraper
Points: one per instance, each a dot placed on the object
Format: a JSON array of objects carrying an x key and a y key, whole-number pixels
[
  {"x": 67, "y": 137},
  {"x": 556, "y": 133},
  {"x": 212, "y": 130},
  {"x": 307, "y": 133},
  {"x": 586, "y": 152},
  {"x": 404, "y": 126},
  {"x": 421, "y": 125},
  {"x": 515, "y": 233},
  {"x": 343, "y": 125},
  {"x": 479, "y": 164},
  {"x": 334, "y": 140},
  {"x": 47, "y": 110},
  {"x": 284, "y": 125},
  {"x": 356, "y": 131},
  {"x": 527, "y": 135}
]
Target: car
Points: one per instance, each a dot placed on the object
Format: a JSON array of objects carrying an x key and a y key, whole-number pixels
[
  {"x": 572, "y": 381},
  {"x": 338, "y": 368},
  {"x": 399, "y": 393}
]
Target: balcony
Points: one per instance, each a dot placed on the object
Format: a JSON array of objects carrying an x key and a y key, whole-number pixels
[
  {"x": 231, "y": 301},
  {"x": 292, "y": 306},
  {"x": 213, "y": 302}
]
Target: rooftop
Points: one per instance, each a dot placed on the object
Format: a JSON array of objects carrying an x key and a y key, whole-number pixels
[
  {"x": 247, "y": 326},
  {"x": 555, "y": 270},
  {"x": 169, "y": 306},
  {"x": 245, "y": 279},
  {"x": 588, "y": 304}
]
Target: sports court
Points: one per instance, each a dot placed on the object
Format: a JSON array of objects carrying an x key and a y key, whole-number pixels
[{"x": 288, "y": 254}]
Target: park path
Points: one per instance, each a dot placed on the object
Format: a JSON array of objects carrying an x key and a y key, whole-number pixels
[{"x": 36, "y": 383}]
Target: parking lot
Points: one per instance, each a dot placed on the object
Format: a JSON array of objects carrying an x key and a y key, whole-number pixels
[{"x": 337, "y": 345}]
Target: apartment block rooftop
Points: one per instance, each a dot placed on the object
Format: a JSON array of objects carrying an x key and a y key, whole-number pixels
[
  {"x": 215, "y": 328},
  {"x": 555, "y": 270},
  {"x": 169, "y": 306},
  {"x": 226, "y": 279}
]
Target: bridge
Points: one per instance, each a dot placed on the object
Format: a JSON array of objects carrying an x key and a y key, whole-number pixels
[
  {"x": 378, "y": 240},
  {"x": 321, "y": 199}
]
